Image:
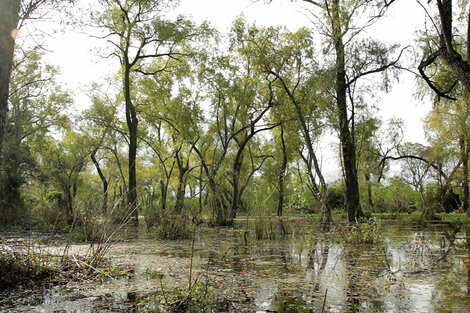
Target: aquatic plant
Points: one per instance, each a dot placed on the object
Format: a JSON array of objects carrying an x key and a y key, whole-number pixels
[
  {"x": 270, "y": 227},
  {"x": 174, "y": 226},
  {"x": 363, "y": 233}
]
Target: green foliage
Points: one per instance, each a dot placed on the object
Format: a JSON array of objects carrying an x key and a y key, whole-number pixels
[
  {"x": 201, "y": 297},
  {"x": 363, "y": 233},
  {"x": 173, "y": 226},
  {"x": 397, "y": 196},
  {"x": 336, "y": 196}
]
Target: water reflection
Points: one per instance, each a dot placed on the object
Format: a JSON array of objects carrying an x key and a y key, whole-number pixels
[{"x": 413, "y": 270}]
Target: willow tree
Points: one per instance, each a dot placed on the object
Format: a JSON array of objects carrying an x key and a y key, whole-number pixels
[
  {"x": 446, "y": 70},
  {"x": 288, "y": 59},
  {"x": 139, "y": 34},
  {"x": 342, "y": 23}
]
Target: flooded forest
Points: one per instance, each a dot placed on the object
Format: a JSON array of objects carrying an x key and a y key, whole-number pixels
[{"x": 234, "y": 156}]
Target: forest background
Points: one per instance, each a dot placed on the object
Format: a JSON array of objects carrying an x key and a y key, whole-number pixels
[{"x": 155, "y": 115}]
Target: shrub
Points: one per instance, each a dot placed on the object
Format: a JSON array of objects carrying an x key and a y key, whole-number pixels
[
  {"x": 363, "y": 233},
  {"x": 173, "y": 226}
]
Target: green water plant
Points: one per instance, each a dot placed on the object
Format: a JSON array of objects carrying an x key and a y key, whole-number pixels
[{"x": 362, "y": 233}]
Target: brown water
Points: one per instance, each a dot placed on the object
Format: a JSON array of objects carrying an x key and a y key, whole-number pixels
[{"x": 413, "y": 270}]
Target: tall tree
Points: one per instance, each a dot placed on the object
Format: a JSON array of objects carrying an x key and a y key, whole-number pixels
[
  {"x": 342, "y": 23},
  {"x": 446, "y": 70},
  {"x": 288, "y": 59},
  {"x": 138, "y": 33},
  {"x": 9, "y": 17}
]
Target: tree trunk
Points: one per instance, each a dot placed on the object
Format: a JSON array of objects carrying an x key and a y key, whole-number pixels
[
  {"x": 180, "y": 194},
  {"x": 369, "y": 190},
  {"x": 220, "y": 209},
  {"x": 326, "y": 210},
  {"x": 200, "y": 190},
  {"x": 237, "y": 165},
  {"x": 132, "y": 122},
  {"x": 346, "y": 137},
  {"x": 181, "y": 184},
  {"x": 164, "y": 192},
  {"x": 104, "y": 206},
  {"x": 282, "y": 174},
  {"x": 464, "y": 146},
  {"x": 9, "y": 17},
  {"x": 69, "y": 205}
]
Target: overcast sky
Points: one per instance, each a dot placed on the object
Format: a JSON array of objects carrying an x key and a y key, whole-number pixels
[{"x": 77, "y": 58}]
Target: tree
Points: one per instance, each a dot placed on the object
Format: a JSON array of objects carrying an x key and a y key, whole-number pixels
[
  {"x": 447, "y": 48},
  {"x": 64, "y": 162},
  {"x": 449, "y": 134},
  {"x": 9, "y": 17},
  {"x": 13, "y": 14},
  {"x": 368, "y": 155},
  {"x": 289, "y": 59},
  {"x": 138, "y": 33},
  {"x": 353, "y": 59},
  {"x": 99, "y": 126},
  {"x": 37, "y": 104},
  {"x": 415, "y": 171},
  {"x": 447, "y": 74}
]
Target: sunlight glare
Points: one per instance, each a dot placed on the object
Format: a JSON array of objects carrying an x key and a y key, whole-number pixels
[{"x": 14, "y": 33}]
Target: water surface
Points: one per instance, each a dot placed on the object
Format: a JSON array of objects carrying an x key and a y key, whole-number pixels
[{"x": 411, "y": 270}]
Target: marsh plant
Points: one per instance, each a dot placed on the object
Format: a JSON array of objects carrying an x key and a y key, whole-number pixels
[
  {"x": 266, "y": 227},
  {"x": 361, "y": 233},
  {"x": 174, "y": 226}
]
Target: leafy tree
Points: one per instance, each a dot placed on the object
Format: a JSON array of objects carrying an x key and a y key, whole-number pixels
[
  {"x": 37, "y": 108},
  {"x": 138, "y": 33},
  {"x": 9, "y": 17},
  {"x": 13, "y": 15},
  {"x": 341, "y": 23},
  {"x": 101, "y": 127},
  {"x": 289, "y": 58},
  {"x": 415, "y": 171},
  {"x": 448, "y": 133},
  {"x": 64, "y": 163}
]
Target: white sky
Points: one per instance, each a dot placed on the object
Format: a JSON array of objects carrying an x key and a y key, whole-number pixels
[{"x": 80, "y": 65}]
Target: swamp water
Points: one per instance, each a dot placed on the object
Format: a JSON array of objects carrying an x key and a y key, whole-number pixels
[{"x": 412, "y": 270}]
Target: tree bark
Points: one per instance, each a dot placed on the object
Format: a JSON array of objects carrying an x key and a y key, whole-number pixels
[
  {"x": 69, "y": 204},
  {"x": 9, "y": 17},
  {"x": 164, "y": 192},
  {"x": 237, "y": 166}
]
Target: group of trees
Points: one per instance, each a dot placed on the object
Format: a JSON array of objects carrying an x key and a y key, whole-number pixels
[{"x": 193, "y": 120}]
